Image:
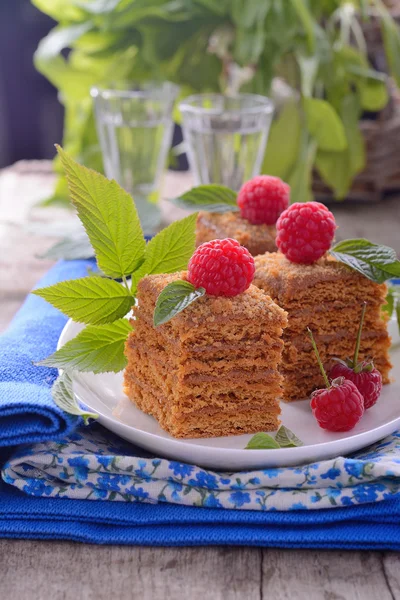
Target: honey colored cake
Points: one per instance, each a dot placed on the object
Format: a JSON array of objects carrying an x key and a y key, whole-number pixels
[
  {"x": 212, "y": 370},
  {"x": 327, "y": 297},
  {"x": 258, "y": 239}
]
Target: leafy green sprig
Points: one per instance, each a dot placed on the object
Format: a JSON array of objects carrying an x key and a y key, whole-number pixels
[
  {"x": 284, "y": 438},
  {"x": 111, "y": 222}
]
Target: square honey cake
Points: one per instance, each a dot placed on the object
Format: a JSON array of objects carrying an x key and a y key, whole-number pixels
[
  {"x": 327, "y": 297},
  {"x": 213, "y": 369},
  {"x": 258, "y": 239}
]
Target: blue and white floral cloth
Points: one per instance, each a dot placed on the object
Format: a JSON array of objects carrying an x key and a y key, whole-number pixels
[{"x": 93, "y": 464}]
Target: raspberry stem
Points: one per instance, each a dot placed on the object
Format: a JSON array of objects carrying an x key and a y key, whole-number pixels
[
  {"x": 357, "y": 348},
  {"x": 321, "y": 366}
]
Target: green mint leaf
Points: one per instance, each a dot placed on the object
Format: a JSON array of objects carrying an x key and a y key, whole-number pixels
[
  {"x": 174, "y": 298},
  {"x": 262, "y": 441},
  {"x": 170, "y": 250},
  {"x": 286, "y": 438},
  {"x": 109, "y": 217},
  {"x": 213, "y": 198},
  {"x": 98, "y": 349},
  {"x": 377, "y": 263},
  {"x": 65, "y": 399},
  {"x": 70, "y": 248},
  {"x": 91, "y": 300}
]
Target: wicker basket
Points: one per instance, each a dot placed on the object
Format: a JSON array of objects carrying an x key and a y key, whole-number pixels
[{"x": 382, "y": 171}]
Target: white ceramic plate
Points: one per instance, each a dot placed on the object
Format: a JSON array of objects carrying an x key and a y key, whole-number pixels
[{"x": 103, "y": 394}]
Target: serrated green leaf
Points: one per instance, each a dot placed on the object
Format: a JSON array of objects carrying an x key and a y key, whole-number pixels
[
  {"x": 70, "y": 248},
  {"x": 91, "y": 300},
  {"x": 262, "y": 441},
  {"x": 170, "y": 250},
  {"x": 174, "y": 298},
  {"x": 109, "y": 216},
  {"x": 213, "y": 198},
  {"x": 64, "y": 397},
  {"x": 97, "y": 349},
  {"x": 324, "y": 124},
  {"x": 377, "y": 263},
  {"x": 286, "y": 438}
]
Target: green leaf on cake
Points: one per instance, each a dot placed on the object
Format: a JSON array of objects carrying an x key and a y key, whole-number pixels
[
  {"x": 377, "y": 263},
  {"x": 109, "y": 217},
  {"x": 212, "y": 198},
  {"x": 65, "y": 399},
  {"x": 92, "y": 300},
  {"x": 98, "y": 349},
  {"x": 174, "y": 298},
  {"x": 262, "y": 441},
  {"x": 286, "y": 438},
  {"x": 170, "y": 250}
]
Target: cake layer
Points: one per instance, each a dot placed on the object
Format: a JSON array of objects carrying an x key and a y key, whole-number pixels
[
  {"x": 256, "y": 238},
  {"x": 327, "y": 280},
  {"x": 223, "y": 392},
  {"x": 203, "y": 425},
  {"x": 326, "y": 297},
  {"x": 213, "y": 369},
  {"x": 218, "y": 355}
]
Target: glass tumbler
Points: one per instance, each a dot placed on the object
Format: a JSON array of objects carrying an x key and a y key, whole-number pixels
[
  {"x": 226, "y": 136},
  {"x": 135, "y": 126}
]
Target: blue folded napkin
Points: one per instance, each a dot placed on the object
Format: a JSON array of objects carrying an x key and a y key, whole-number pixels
[
  {"x": 91, "y": 463},
  {"x": 94, "y": 464},
  {"x": 27, "y": 412}
]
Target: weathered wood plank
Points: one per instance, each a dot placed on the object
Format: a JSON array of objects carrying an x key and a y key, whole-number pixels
[
  {"x": 325, "y": 575},
  {"x": 64, "y": 571}
]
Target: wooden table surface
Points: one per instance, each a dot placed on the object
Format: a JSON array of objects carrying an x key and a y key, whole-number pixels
[{"x": 36, "y": 570}]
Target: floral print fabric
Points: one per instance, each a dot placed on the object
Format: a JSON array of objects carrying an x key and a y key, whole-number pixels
[{"x": 94, "y": 464}]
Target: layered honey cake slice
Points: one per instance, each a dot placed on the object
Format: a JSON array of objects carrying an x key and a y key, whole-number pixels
[
  {"x": 326, "y": 297},
  {"x": 210, "y": 371},
  {"x": 258, "y": 239}
]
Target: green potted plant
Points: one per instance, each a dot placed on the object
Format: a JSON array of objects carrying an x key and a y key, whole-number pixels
[{"x": 310, "y": 53}]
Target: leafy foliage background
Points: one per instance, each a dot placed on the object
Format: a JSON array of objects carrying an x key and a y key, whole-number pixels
[{"x": 316, "y": 47}]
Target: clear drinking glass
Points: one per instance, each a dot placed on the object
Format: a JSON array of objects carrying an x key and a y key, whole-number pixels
[
  {"x": 226, "y": 136},
  {"x": 134, "y": 124}
]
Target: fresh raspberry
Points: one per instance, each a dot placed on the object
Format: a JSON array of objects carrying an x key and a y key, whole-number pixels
[
  {"x": 365, "y": 377},
  {"x": 368, "y": 382},
  {"x": 338, "y": 408},
  {"x": 263, "y": 198},
  {"x": 305, "y": 232},
  {"x": 222, "y": 267}
]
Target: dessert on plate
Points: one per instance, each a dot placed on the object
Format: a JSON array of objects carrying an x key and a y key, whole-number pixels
[
  {"x": 212, "y": 370},
  {"x": 258, "y": 239},
  {"x": 260, "y": 200},
  {"x": 325, "y": 296}
]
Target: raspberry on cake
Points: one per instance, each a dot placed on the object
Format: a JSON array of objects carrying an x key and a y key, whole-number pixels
[
  {"x": 326, "y": 297},
  {"x": 212, "y": 370},
  {"x": 260, "y": 200}
]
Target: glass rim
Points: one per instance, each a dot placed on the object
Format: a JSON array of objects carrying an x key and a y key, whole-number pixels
[
  {"x": 265, "y": 105},
  {"x": 145, "y": 87}
]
